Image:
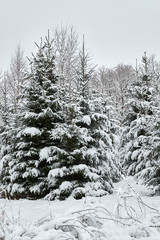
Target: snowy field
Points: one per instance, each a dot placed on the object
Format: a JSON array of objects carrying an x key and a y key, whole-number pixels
[{"x": 129, "y": 213}]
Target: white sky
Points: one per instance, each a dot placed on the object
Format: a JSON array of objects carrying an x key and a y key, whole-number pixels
[{"x": 115, "y": 30}]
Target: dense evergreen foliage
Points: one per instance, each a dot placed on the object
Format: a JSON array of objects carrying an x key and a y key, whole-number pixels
[
  {"x": 64, "y": 144},
  {"x": 140, "y": 136},
  {"x": 41, "y": 112},
  {"x": 85, "y": 162},
  {"x": 69, "y": 130}
]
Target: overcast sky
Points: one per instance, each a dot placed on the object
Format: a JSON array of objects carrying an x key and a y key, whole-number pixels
[{"x": 116, "y": 31}]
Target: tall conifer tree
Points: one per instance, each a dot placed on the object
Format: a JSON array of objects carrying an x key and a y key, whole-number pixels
[
  {"x": 84, "y": 167},
  {"x": 29, "y": 169},
  {"x": 139, "y": 125}
]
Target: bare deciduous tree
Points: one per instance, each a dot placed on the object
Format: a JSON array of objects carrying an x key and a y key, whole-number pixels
[
  {"x": 16, "y": 76},
  {"x": 4, "y": 99},
  {"x": 124, "y": 75},
  {"x": 66, "y": 50}
]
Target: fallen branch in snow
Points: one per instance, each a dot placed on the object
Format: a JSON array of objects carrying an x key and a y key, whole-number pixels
[
  {"x": 154, "y": 226},
  {"x": 129, "y": 185},
  {"x": 72, "y": 227},
  {"x": 91, "y": 223},
  {"x": 130, "y": 211}
]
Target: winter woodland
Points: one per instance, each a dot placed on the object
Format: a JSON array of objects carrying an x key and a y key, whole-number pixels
[{"x": 74, "y": 133}]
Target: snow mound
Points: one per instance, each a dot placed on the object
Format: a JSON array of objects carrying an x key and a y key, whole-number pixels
[{"x": 32, "y": 131}]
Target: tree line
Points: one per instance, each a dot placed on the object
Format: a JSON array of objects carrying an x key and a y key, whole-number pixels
[{"x": 71, "y": 128}]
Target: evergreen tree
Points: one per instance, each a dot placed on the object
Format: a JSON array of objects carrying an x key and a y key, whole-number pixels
[
  {"x": 28, "y": 168},
  {"x": 84, "y": 166},
  {"x": 105, "y": 130},
  {"x": 153, "y": 177},
  {"x": 66, "y": 143},
  {"x": 138, "y": 130}
]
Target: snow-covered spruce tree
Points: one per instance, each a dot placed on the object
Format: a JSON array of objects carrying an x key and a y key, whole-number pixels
[
  {"x": 105, "y": 130},
  {"x": 153, "y": 177},
  {"x": 138, "y": 125},
  {"x": 103, "y": 103},
  {"x": 83, "y": 168},
  {"x": 42, "y": 111}
]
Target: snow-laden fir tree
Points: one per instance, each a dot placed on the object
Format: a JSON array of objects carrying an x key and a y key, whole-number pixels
[
  {"x": 138, "y": 125},
  {"x": 41, "y": 112},
  {"x": 151, "y": 174},
  {"x": 84, "y": 166},
  {"x": 105, "y": 129},
  {"x": 153, "y": 177}
]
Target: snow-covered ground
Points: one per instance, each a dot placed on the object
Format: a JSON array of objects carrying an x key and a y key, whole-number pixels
[{"x": 127, "y": 214}]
